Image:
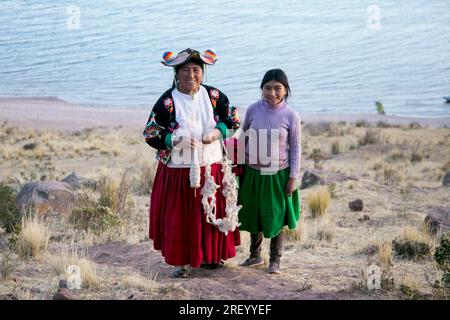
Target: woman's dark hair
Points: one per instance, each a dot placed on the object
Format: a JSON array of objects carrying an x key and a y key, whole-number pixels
[
  {"x": 177, "y": 68},
  {"x": 190, "y": 60},
  {"x": 277, "y": 75}
]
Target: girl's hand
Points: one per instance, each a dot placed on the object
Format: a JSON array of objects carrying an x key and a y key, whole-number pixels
[{"x": 291, "y": 186}]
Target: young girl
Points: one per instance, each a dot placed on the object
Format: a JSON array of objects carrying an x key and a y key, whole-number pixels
[{"x": 268, "y": 191}]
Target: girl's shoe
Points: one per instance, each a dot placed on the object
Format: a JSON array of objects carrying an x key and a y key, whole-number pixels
[
  {"x": 274, "y": 268},
  {"x": 252, "y": 262}
]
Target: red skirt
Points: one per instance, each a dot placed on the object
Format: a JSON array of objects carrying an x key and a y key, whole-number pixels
[{"x": 178, "y": 224}]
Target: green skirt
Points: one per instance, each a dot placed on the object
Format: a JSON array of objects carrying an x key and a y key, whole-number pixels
[{"x": 265, "y": 206}]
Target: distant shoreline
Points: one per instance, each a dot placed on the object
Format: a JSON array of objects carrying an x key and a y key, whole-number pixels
[{"x": 55, "y": 113}]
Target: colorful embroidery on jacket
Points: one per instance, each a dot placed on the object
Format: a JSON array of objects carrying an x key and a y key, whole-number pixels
[
  {"x": 152, "y": 129},
  {"x": 168, "y": 103}
]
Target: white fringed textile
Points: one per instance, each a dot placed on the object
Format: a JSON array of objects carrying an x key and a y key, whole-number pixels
[
  {"x": 209, "y": 197},
  {"x": 230, "y": 191}
]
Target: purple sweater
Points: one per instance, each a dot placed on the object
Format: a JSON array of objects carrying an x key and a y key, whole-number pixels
[{"x": 282, "y": 133}]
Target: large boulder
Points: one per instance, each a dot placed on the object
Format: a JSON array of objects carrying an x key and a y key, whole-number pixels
[
  {"x": 438, "y": 220},
  {"x": 446, "y": 181},
  {"x": 46, "y": 197}
]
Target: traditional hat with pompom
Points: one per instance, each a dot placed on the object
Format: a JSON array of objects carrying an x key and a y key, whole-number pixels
[{"x": 208, "y": 57}]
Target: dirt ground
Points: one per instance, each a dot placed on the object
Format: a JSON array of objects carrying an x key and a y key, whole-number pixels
[{"x": 324, "y": 259}]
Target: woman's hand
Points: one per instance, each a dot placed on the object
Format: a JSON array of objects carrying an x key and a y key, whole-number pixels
[
  {"x": 291, "y": 186},
  {"x": 211, "y": 136},
  {"x": 184, "y": 142}
]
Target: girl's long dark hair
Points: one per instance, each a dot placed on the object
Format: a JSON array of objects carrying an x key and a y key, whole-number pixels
[{"x": 277, "y": 75}]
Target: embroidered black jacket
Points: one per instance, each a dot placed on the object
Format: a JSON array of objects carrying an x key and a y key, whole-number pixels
[{"x": 162, "y": 121}]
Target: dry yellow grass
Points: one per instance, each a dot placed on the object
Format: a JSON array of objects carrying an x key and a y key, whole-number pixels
[
  {"x": 410, "y": 282},
  {"x": 69, "y": 255},
  {"x": 412, "y": 234},
  {"x": 310, "y": 231},
  {"x": 137, "y": 281},
  {"x": 385, "y": 254},
  {"x": 33, "y": 239},
  {"x": 318, "y": 202}
]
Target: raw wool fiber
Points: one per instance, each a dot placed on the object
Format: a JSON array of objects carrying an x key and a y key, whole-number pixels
[{"x": 230, "y": 186}]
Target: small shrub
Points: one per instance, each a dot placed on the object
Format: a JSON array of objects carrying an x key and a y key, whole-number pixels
[
  {"x": 10, "y": 217},
  {"x": 293, "y": 235},
  {"x": 377, "y": 166},
  {"x": 144, "y": 181},
  {"x": 8, "y": 264},
  {"x": 114, "y": 194},
  {"x": 388, "y": 175},
  {"x": 332, "y": 190},
  {"x": 362, "y": 123},
  {"x": 94, "y": 217},
  {"x": 383, "y": 124},
  {"x": 414, "y": 126},
  {"x": 396, "y": 155},
  {"x": 446, "y": 166},
  {"x": 71, "y": 256},
  {"x": 316, "y": 129},
  {"x": 409, "y": 288},
  {"x": 442, "y": 258},
  {"x": 413, "y": 244},
  {"x": 416, "y": 155},
  {"x": 321, "y": 229},
  {"x": 33, "y": 238},
  {"x": 317, "y": 156},
  {"x": 370, "y": 137},
  {"x": 335, "y": 147},
  {"x": 385, "y": 254},
  {"x": 318, "y": 202},
  {"x": 386, "y": 280},
  {"x": 139, "y": 282}
]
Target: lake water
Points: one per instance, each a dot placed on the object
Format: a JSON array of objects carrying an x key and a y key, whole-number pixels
[{"x": 340, "y": 57}]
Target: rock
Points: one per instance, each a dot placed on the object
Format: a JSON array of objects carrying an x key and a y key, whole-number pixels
[
  {"x": 438, "y": 220},
  {"x": 63, "y": 283},
  {"x": 313, "y": 176},
  {"x": 371, "y": 250},
  {"x": 310, "y": 178},
  {"x": 356, "y": 205},
  {"x": 45, "y": 196},
  {"x": 364, "y": 218},
  {"x": 30, "y": 146},
  {"x": 446, "y": 181},
  {"x": 63, "y": 294},
  {"x": 75, "y": 181},
  {"x": 8, "y": 296}
]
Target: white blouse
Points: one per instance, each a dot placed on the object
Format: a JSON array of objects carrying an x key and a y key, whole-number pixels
[{"x": 195, "y": 116}]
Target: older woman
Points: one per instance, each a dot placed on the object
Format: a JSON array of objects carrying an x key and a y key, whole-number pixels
[{"x": 188, "y": 219}]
